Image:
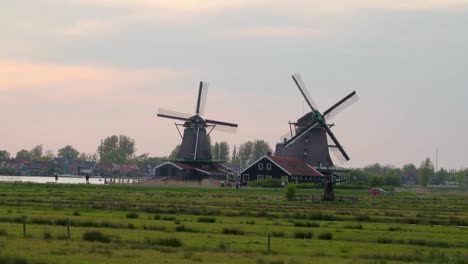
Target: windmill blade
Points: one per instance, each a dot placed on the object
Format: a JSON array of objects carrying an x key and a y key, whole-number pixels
[
  {"x": 303, "y": 89},
  {"x": 226, "y": 129},
  {"x": 341, "y": 105},
  {"x": 296, "y": 137},
  {"x": 337, "y": 153},
  {"x": 220, "y": 123},
  {"x": 173, "y": 114},
  {"x": 337, "y": 143},
  {"x": 201, "y": 101}
]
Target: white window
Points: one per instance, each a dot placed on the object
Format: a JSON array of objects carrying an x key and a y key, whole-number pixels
[
  {"x": 268, "y": 166},
  {"x": 245, "y": 177},
  {"x": 268, "y": 177},
  {"x": 260, "y": 166},
  {"x": 260, "y": 177}
]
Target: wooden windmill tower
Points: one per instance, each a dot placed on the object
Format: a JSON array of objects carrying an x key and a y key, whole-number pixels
[
  {"x": 311, "y": 137},
  {"x": 195, "y": 144},
  {"x": 194, "y": 160}
]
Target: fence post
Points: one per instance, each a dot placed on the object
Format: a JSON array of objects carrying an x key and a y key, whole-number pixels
[
  {"x": 24, "y": 225},
  {"x": 269, "y": 242},
  {"x": 68, "y": 228}
]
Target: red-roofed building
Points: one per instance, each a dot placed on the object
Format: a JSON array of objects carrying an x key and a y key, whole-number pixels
[{"x": 287, "y": 169}]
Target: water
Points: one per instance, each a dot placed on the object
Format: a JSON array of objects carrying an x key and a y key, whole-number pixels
[{"x": 51, "y": 179}]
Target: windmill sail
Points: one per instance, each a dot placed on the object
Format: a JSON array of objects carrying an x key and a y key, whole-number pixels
[{"x": 341, "y": 105}]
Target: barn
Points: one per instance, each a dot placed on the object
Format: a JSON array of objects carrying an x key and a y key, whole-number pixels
[{"x": 286, "y": 169}]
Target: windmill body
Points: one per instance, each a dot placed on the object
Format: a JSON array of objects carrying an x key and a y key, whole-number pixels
[
  {"x": 311, "y": 148},
  {"x": 195, "y": 143}
]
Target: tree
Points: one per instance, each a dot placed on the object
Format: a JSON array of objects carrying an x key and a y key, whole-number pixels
[
  {"x": 174, "y": 152},
  {"x": 23, "y": 155},
  {"x": 245, "y": 153},
  {"x": 426, "y": 171},
  {"x": 260, "y": 149},
  {"x": 234, "y": 158},
  {"x": 88, "y": 157},
  {"x": 376, "y": 181},
  {"x": 68, "y": 152},
  {"x": 223, "y": 151},
  {"x": 410, "y": 173},
  {"x": 4, "y": 155},
  {"x": 215, "y": 151},
  {"x": 290, "y": 192},
  {"x": 462, "y": 179},
  {"x": 250, "y": 151},
  {"x": 440, "y": 177},
  {"x": 359, "y": 177},
  {"x": 36, "y": 153},
  {"x": 392, "y": 178},
  {"x": 116, "y": 149},
  {"x": 49, "y": 155}
]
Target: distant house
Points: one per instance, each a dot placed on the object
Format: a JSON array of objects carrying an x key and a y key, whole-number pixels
[
  {"x": 75, "y": 166},
  {"x": 37, "y": 168},
  {"x": 286, "y": 169},
  {"x": 15, "y": 164},
  {"x": 109, "y": 169}
]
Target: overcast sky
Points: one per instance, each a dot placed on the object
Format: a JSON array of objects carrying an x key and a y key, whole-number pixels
[{"x": 76, "y": 71}]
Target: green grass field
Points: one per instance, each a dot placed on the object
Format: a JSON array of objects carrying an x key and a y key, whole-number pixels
[{"x": 140, "y": 224}]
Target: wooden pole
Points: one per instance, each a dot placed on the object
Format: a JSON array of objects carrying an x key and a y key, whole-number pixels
[
  {"x": 269, "y": 242},
  {"x": 68, "y": 228},
  {"x": 24, "y": 225}
]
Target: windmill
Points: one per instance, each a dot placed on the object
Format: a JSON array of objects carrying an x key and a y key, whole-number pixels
[
  {"x": 309, "y": 137},
  {"x": 195, "y": 139}
]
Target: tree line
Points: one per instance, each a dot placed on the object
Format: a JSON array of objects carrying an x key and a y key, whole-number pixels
[{"x": 377, "y": 175}]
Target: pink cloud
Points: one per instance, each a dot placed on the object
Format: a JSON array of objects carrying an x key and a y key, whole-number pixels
[{"x": 61, "y": 82}]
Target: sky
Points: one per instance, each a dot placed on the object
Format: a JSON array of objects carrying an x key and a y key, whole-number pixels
[{"x": 76, "y": 71}]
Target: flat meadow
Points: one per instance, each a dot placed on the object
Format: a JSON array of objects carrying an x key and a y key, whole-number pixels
[{"x": 54, "y": 223}]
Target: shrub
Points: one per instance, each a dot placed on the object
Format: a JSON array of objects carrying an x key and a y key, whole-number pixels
[
  {"x": 131, "y": 226},
  {"x": 168, "y": 218},
  {"x": 132, "y": 215},
  {"x": 96, "y": 236},
  {"x": 232, "y": 231},
  {"x": 3, "y": 232},
  {"x": 206, "y": 219},
  {"x": 182, "y": 228},
  {"x": 394, "y": 228},
  {"x": 270, "y": 183},
  {"x": 290, "y": 192},
  {"x": 222, "y": 245},
  {"x": 363, "y": 218},
  {"x": 325, "y": 236},
  {"x": 352, "y": 226},
  {"x": 306, "y": 224},
  {"x": 154, "y": 228},
  {"x": 277, "y": 234},
  {"x": 303, "y": 235},
  {"x": 250, "y": 222},
  {"x": 76, "y": 213},
  {"x": 13, "y": 260},
  {"x": 384, "y": 240},
  {"x": 47, "y": 235},
  {"x": 170, "y": 242}
]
